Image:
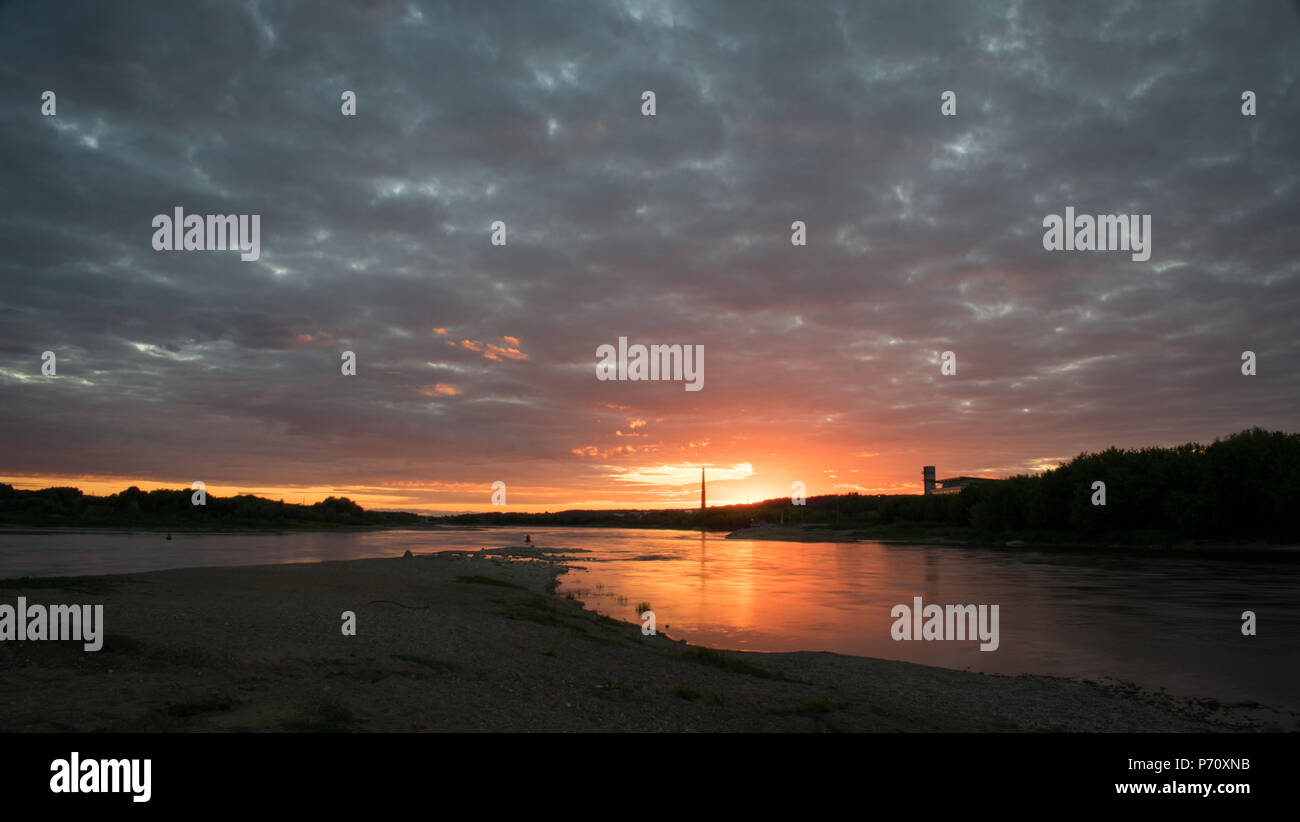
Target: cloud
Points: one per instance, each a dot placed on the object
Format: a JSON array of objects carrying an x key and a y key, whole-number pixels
[
  {"x": 492, "y": 351},
  {"x": 924, "y": 235}
]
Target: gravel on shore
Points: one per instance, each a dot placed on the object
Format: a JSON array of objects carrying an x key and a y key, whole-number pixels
[{"x": 477, "y": 641}]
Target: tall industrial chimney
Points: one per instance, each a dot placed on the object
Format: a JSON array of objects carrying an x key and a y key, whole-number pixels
[{"x": 702, "y": 491}]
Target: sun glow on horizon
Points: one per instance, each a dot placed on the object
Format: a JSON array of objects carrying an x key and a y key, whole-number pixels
[{"x": 581, "y": 485}]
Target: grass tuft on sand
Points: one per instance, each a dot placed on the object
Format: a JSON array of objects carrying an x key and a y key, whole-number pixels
[{"x": 718, "y": 659}]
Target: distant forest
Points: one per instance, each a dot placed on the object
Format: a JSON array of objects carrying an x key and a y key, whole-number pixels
[
  {"x": 1246, "y": 486},
  {"x": 134, "y": 508}
]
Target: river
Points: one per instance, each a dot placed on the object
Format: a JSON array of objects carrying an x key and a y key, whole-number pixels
[{"x": 1170, "y": 623}]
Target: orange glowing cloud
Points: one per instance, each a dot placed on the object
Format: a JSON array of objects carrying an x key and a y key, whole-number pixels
[
  {"x": 439, "y": 389},
  {"x": 632, "y": 426},
  {"x": 318, "y": 338},
  {"x": 686, "y": 473},
  {"x": 492, "y": 351},
  {"x": 616, "y": 451}
]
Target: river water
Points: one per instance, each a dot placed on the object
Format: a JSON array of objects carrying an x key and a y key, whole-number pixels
[{"x": 1161, "y": 622}]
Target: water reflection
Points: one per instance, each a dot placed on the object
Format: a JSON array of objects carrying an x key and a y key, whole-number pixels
[
  {"x": 1164, "y": 623},
  {"x": 1161, "y": 622}
]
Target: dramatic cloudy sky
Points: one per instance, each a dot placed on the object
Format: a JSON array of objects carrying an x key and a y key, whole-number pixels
[{"x": 477, "y": 363}]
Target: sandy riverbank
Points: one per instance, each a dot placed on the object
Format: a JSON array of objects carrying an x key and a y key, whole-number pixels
[{"x": 476, "y": 641}]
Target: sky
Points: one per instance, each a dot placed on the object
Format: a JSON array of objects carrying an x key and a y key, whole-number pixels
[{"x": 476, "y": 363}]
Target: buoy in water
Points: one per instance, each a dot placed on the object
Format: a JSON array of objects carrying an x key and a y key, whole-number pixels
[{"x": 169, "y": 536}]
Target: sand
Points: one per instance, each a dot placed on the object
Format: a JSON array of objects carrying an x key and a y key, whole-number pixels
[{"x": 478, "y": 642}]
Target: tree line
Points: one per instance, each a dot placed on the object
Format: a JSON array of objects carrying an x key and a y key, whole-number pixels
[
  {"x": 166, "y": 508},
  {"x": 1244, "y": 486}
]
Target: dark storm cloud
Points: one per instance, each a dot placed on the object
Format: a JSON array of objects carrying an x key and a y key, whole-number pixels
[{"x": 924, "y": 231}]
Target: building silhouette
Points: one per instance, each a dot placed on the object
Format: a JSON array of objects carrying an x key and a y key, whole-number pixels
[{"x": 951, "y": 485}]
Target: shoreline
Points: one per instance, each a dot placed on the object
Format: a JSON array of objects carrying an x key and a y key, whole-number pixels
[
  {"x": 765, "y": 532},
  {"x": 796, "y": 533},
  {"x": 479, "y": 641}
]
